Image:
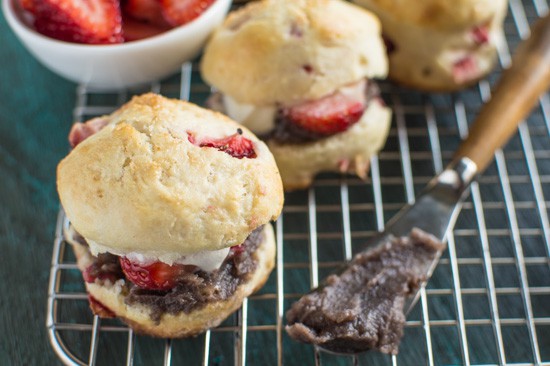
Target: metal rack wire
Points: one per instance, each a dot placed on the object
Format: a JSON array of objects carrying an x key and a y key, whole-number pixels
[{"x": 487, "y": 303}]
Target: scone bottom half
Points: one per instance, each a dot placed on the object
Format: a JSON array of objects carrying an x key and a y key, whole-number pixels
[
  {"x": 309, "y": 90},
  {"x": 169, "y": 207},
  {"x": 193, "y": 301}
]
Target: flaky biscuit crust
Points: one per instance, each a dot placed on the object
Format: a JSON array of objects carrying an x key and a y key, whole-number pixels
[
  {"x": 445, "y": 15},
  {"x": 431, "y": 75},
  {"x": 182, "y": 324},
  {"x": 140, "y": 185},
  {"x": 288, "y": 51},
  {"x": 424, "y": 52}
]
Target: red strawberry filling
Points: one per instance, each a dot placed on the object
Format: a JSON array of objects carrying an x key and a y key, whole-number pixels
[
  {"x": 328, "y": 115},
  {"x": 465, "y": 69},
  {"x": 480, "y": 34},
  {"x": 158, "y": 275},
  {"x": 81, "y": 131},
  {"x": 155, "y": 276},
  {"x": 235, "y": 145}
]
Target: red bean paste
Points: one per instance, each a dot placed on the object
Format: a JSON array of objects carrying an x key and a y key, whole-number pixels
[
  {"x": 362, "y": 307},
  {"x": 195, "y": 288}
]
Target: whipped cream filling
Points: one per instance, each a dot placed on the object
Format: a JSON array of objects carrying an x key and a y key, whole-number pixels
[
  {"x": 259, "y": 120},
  {"x": 355, "y": 90},
  {"x": 207, "y": 260}
]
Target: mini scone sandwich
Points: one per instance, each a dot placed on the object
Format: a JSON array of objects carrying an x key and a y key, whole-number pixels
[
  {"x": 169, "y": 207},
  {"x": 440, "y": 45},
  {"x": 299, "y": 73}
]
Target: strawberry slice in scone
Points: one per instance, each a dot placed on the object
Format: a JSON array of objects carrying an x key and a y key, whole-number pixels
[
  {"x": 153, "y": 276},
  {"x": 331, "y": 114},
  {"x": 235, "y": 145},
  {"x": 465, "y": 69}
]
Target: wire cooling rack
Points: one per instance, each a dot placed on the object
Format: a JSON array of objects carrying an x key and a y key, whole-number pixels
[{"x": 487, "y": 303}]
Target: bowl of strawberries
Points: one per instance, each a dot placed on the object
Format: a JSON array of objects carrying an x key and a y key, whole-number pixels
[{"x": 113, "y": 44}]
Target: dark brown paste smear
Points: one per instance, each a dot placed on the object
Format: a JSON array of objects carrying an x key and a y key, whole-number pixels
[{"x": 362, "y": 307}]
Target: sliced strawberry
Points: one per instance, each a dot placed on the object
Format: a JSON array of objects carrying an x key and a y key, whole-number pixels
[
  {"x": 27, "y": 5},
  {"x": 235, "y": 145},
  {"x": 154, "y": 276},
  {"x": 148, "y": 11},
  {"x": 178, "y": 12},
  {"x": 89, "y": 275},
  {"x": 329, "y": 115},
  {"x": 135, "y": 30},
  {"x": 465, "y": 69},
  {"x": 480, "y": 34},
  {"x": 81, "y": 21},
  {"x": 81, "y": 131}
]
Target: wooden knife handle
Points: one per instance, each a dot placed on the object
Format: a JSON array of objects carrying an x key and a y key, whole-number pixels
[{"x": 513, "y": 98}]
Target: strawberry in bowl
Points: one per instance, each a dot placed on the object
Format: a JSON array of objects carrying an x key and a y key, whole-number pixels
[
  {"x": 108, "y": 21},
  {"x": 109, "y": 44},
  {"x": 96, "y": 21}
]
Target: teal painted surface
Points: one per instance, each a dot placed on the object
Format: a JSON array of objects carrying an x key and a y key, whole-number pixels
[{"x": 35, "y": 115}]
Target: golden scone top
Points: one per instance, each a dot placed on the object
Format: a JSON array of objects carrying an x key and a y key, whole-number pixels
[
  {"x": 439, "y": 14},
  {"x": 287, "y": 51},
  {"x": 141, "y": 184}
]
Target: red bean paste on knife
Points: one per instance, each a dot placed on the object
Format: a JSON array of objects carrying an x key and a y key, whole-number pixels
[{"x": 362, "y": 307}]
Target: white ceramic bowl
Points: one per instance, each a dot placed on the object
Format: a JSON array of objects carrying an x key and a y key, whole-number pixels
[{"x": 120, "y": 65}]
